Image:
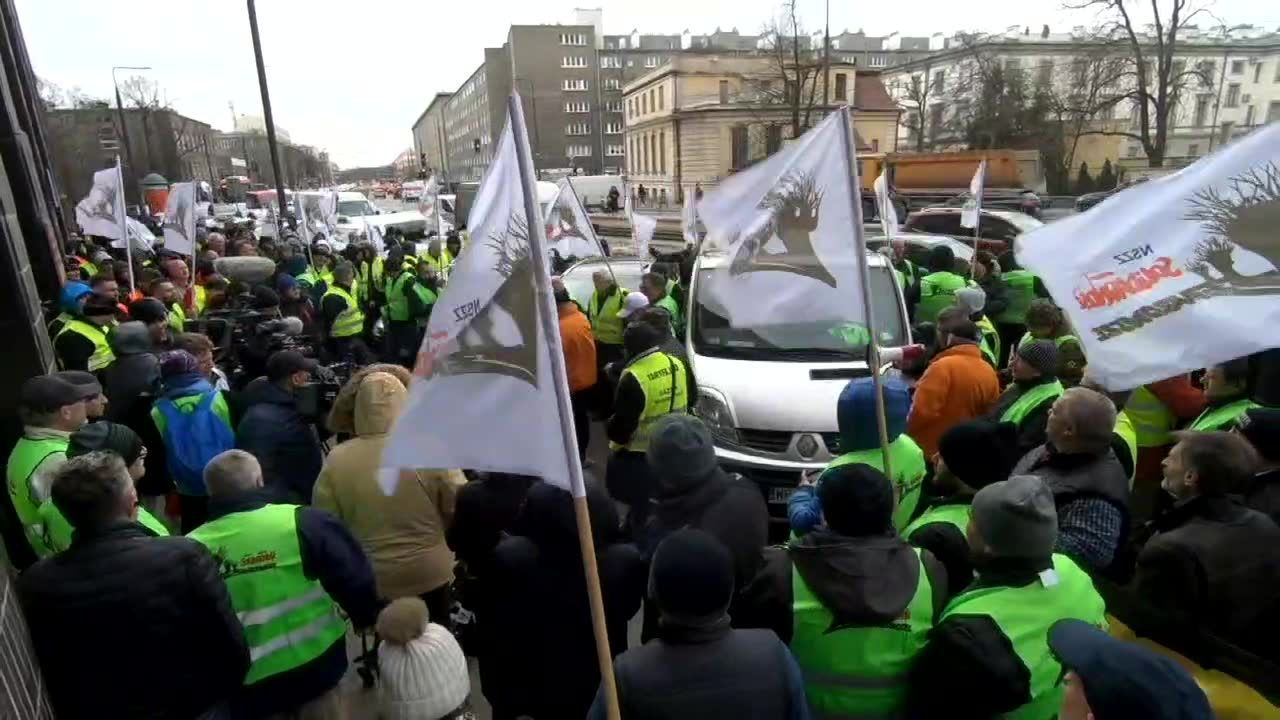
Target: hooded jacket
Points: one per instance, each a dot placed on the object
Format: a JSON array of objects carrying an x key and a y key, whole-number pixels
[
  {"x": 135, "y": 373},
  {"x": 958, "y": 385},
  {"x": 402, "y": 533},
  {"x": 275, "y": 432}
]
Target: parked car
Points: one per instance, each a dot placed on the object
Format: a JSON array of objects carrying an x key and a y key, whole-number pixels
[
  {"x": 1023, "y": 201},
  {"x": 1088, "y": 200},
  {"x": 919, "y": 245},
  {"x": 997, "y": 228},
  {"x": 577, "y": 279}
]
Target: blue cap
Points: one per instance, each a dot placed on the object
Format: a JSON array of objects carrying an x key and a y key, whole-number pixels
[{"x": 69, "y": 300}]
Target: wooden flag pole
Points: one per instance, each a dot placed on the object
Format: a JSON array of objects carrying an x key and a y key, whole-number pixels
[
  {"x": 860, "y": 249},
  {"x": 607, "y": 265},
  {"x": 551, "y": 337},
  {"x": 124, "y": 225}
]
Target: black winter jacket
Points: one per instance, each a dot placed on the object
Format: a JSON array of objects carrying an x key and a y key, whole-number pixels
[
  {"x": 275, "y": 432},
  {"x": 120, "y": 605},
  {"x": 1263, "y": 494},
  {"x": 135, "y": 375}
]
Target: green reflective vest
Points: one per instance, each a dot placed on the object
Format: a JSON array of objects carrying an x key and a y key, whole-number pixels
[
  {"x": 177, "y": 317},
  {"x": 603, "y": 313},
  {"x": 201, "y": 297},
  {"x": 1024, "y": 614},
  {"x": 857, "y": 671},
  {"x": 58, "y": 530},
  {"x": 1222, "y": 418},
  {"x": 661, "y": 378},
  {"x": 1127, "y": 433},
  {"x": 102, "y": 355},
  {"x": 1153, "y": 422},
  {"x": 350, "y": 322},
  {"x": 990, "y": 343},
  {"x": 439, "y": 264},
  {"x": 909, "y": 470},
  {"x": 1059, "y": 341},
  {"x": 668, "y": 303},
  {"x": 27, "y": 455},
  {"x": 397, "y": 301},
  {"x": 907, "y": 273},
  {"x": 956, "y": 514},
  {"x": 288, "y": 620},
  {"x": 369, "y": 278},
  {"x": 1021, "y": 293},
  {"x": 427, "y": 296},
  {"x": 1030, "y": 400},
  {"x": 937, "y": 293}
]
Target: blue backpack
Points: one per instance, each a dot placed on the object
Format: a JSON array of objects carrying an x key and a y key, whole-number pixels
[{"x": 191, "y": 440}]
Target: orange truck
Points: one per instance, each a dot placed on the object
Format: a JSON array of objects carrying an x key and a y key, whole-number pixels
[{"x": 920, "y": 179}]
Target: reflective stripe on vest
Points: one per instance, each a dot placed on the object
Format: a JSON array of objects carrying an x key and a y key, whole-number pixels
[
  {"x": 1021, "y": 293},
  {"x": 605, "y": 322},
  {"x": 937, "y": 293},
  {"x": 1153, "y": 422},
  {"x": 102, "y": 355},
  {"x": 1030, "y": 400},
  {"x": 177, "y": 318},
  {"x": 350, "y": 322},
  {"x": 661, "y": 378},
  {"x": 440, "y": 264},
  {"x": 1124, "y": 428},
  {"x": 955, "y": 514},
  {"x": 201, "y": 296},
  {"x": 858, "y": 671},
  {"x": 288, "y": 620},
  {"x": 1024, "y": 615},
  {"x": 1222, "y": 418},
  {"x": 397, "y": 301},
  {"x": 909, "y": 470},
  {"x": 990, "y": 343},
  {"x": 26, "y": 457}
]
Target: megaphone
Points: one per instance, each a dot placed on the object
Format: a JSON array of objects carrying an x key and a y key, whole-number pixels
[{"x": 248, "y": 270}]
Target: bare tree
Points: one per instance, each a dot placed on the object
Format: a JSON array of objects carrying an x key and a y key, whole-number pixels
[
  {"x": 1079, "y": 97},
  {"x": 50, "y": 94},
  {"x": 918, "y": 92},
  {"x": 796, "y": 64},
  {"x": 1156, "y": 81}
]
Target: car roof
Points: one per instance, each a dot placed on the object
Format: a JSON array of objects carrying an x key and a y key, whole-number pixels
[
  {"x": 593, "y": 263},
  {"x": 351, "y": 196},
  {"x": 712, "y": 260}
]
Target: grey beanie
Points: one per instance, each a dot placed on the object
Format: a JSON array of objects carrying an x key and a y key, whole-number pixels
[
  {"x": 971, "y": 299},
  {"x": 1017, "y": 517},
  {"x": 1041, "y": 355},
  {"x": 681, "y": 451}
]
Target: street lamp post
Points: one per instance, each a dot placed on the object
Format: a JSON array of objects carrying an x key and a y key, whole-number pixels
[
  {"x": 124, "y": 129},
  {"x": 537, "y": 142},
  {"x": 266, "y": 106}
]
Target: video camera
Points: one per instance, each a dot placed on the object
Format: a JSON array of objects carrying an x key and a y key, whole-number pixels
[{"x": 316, "y": 397}]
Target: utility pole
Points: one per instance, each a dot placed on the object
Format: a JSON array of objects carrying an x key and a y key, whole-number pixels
[
  {"x": 266, "y": 105},
  {"x": 826, "y": 56},
  {"x": 124, "y": 128}
]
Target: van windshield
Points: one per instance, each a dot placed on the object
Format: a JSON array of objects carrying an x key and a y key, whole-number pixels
[
  {"x": 354, "y": 208},
  {"x": 801, "y": 340}
]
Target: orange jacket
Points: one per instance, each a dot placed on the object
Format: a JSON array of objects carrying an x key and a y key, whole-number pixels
[
  {"x": 958, "y": 385},
  {"x": 579, "y": 348}
]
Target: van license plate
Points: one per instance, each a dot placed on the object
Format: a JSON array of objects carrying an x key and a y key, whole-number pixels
[{"x": 780, "y": 495}]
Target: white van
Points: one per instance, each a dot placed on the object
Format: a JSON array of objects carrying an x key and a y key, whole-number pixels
[
  {"x": 771, "y": 404},
  {"x": 593, "y": 190}
]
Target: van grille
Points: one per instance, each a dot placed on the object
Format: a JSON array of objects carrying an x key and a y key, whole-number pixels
[{"x": 771, "y": 441}]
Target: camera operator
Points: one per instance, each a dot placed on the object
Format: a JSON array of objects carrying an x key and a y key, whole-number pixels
[
  {"x": 276, "y": 432},
  {"x": 343, "y": 318}
]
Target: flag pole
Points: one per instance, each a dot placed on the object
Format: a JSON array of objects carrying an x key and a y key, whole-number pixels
[
  {"x": 551, "y": 330},
  {"x": 860, "y": 250},
  {"x": 977, "y": 217},
  {"x": 124, "y": 226},
  {"x": 608, "y": 266}
]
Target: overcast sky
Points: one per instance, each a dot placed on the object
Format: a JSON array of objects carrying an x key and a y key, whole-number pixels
[{"x": 352, "y": 76}]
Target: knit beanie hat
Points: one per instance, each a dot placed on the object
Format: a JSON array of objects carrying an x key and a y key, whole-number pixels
[
  {"x": 1017, "y": 518},
  {"x": 285, "y": 282},
  {"x": 1041, "y": 355},
  {"x": 857, "y": 500},
  {"x": 105, "y": 435},
  {"x": 971, "y": 299},
  {"x": 148, "y": 310},
  {"x": 178, "y": 362},
  {"x": 681, "y": 451},
  {"x": 980, "y": 452},
  {"x": 691, "y": 577},
  {"x": 423, "y": 673},
  {"x": 1261, "y": 427}
]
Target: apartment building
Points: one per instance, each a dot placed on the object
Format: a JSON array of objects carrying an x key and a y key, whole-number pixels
[
  {"x": 1238, "y": 91},
  {"x": 429, "y": 144}
]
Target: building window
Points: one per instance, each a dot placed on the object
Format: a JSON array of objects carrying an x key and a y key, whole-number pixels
[
  {"x": 1044, "y": 73},
  {"x": 573, "y": 61},
  {"x": 1237, "y": 67},
  {"x": 578, "y": 129},
  {"x": 842, "y": 85},
  {"x": 738, "y": 149},
  {"x": 574, "y": 151},
  {"x": 1202, "y": 112},
  {"x": 935, "y": 121},
  {"x": 1225, "y": 136},
  {"x": 1206, "y": 69},
  {"x": 1193, "y": 150},
  {"x": 1132, "y": 151},
  {"x": 661, "y": 101},
  {"x": 772, "y": 139},
  {"x": 1233, "y": 95},
  {"x": 662, "y": 153},
  {"x": 573, "y": 39},
  {"x": 939, "y": 80},
  {"x": 1273, "y": 111},
  {"x": 651, "y": 62},
  {"x": 879, "y": 61},
  {"x": 724, "y": 92},
  {"x": 612, "y": 84},
  {"x": 577, "y": 107},
  {"x": 644, "y": 104},
  {"x": 1249, "y": 113},
  {"x": 574, "y": 84},
  {"x": 613, "y": 150},
  {"x": 1257, "y": 73},
  {"x": 613, "y": 106},
  {"x": 611, "y": 61},
  {"x": 644, "y": 154},
  {"x": 613, "y": 128}
]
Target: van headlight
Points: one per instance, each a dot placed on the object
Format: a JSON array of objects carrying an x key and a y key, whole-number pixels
[{"x": 713, "y": 409}]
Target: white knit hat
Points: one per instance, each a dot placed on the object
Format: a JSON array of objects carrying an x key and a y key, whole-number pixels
[{"x": 424, "y": 679}]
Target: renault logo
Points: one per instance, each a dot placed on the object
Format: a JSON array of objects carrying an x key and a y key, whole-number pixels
[{"x": 808, "y": 446}]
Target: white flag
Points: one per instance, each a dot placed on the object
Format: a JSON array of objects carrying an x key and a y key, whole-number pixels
[
  {"x": 485, "y": 394},
  {"x": 689, "y": 220},
  {"x": 884, "y": 207},
  {"x": 569, "y": 229},
  {"x": 180, "y": 218},
  {"x": 374, "y": 234},
  {"x": 101, "y": 212},
  {"x": 642, "y": 227},
  {"x": 973, "y": 205},
  {"x": 427, "y": 204},
  {"x": 786, "y": 228},
  {"x": 1175, "y": 274}
]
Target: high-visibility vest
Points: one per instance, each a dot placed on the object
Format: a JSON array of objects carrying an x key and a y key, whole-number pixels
[
  {"x": 350, "y": 322},
  {"x": 1024, "y": 615},
  {"x": 177, "y": 317},
  {"x": 858, "y": 671},
  {"x": 937, "y": 293},
  {"x": 1030, "y": 400},
  {"x": 58, "y": 530},
  {"x": 397, "y": 301},
  {"x": 603, "y": 313},
  {"x": 27, "y": 455},
  {"x": 1058, "y": 341},
  {"x": 1153, "y": 422},
  {"x": 201, "y": 296},
  {"x": 668, "y": 303},
  {"x": 955, "y": 514},
  {"x": 1127, "y": 433},
  {"x": 427, "y": 296},
  {"x": 909, "y": 470},
  {"x": 661, "y": 378},
  {"x": 1021, "y": 293},
  {"x": 907, "y": 274},
  {"x": 990, "y": 342},
  {"x": 102, "y": 355},
  {"x": 440, "y": 264},
  {"x": 288, "y": 619},
  {"x": 59, "y": 322},
  {"x": 1222, "y": 418},
  {"x": 369, "y": 277}
]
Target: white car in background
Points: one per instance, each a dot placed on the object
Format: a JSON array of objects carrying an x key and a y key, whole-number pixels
[{"x": 356, "y": 213}]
